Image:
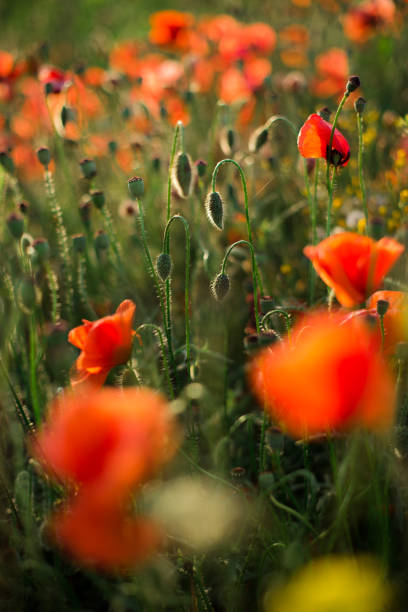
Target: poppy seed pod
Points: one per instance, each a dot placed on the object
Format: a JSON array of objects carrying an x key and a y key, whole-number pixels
[
  {"x": 101, "y": 241},
  {"x": 258, "y": 139},
  {"x": 41, "y": 250},
  {"x": 136, "y": 186},
  {"x": 220, "y": 286},
  {"x": 7, "y": 162},
  {"x": 359, "y": 105},
  {"x": 183, "y": 174},
  {"x": 44, "y": 156},
  {"x": 15, "y": 223},
  {"x": 88, "y": 168},
  {"x": 324, "y": 113},
  {"x": 382, "y": 307},
  {"x": 79, "y": 243},
  {"x": 353, "y": 83},
  {"x": 163, "y": 266},
  {"x": 98, "y": 198},
  {"x": 214, "y": 208}
]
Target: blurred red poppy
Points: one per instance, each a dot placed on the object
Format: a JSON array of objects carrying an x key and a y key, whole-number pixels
[
  {"x": 171, "y": 29},
  {"x": 352, "y": 265},
  {"x": 365, "y": 20},
  {"x": 53, "y": 78},
  {"x": 314, "y": 141},
  {"x": 326, "y": 377},
  {"x": 104, "y": 344}
]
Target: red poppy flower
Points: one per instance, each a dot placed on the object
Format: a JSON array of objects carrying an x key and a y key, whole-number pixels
[
  {"x": 363, "y": 21},
  {"x": 333, "y": 70},
  {"x": 171, "y": 29},
  {"x": 104, "y": 344},
  {"x": 341, "y": 380},
  {"x": 352, "y": 265},
  {"x": 53, "y": 77},
  {"x": 314, "y": 141}
]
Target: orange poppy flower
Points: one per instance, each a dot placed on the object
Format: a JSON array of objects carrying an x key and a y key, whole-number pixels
[
  {"x": 395, "y": 319},
  {"x": 171, "y": 29},
  {"x": 341, "y": 380},
  {"x": 333, "y": 69},
  {"x": 363, "y": 21},
  {"x": 105, "y": 538},
  {"x": 314, "y": 141},
  {"x": 104, "y": 344},
  {"x": 352, "y": 265}
]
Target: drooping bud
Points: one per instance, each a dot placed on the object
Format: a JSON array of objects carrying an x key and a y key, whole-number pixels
[
  {"x": 15, "y": 223},
  {"x": 201, "y": 166},
  {"x": 353, "y": 83},
  {"x": 382, "y": 307},
  {"x": 7, "y": 162},
  {"x": 101, "y": 241},
  {"x": 220, "y": 286},
  {"x": 88, "y": 168},
  {"x": 98, "y": 198},
  {"x": 215, "y": 209},
  {"x": 79, "y": 243},
  {"x": 136, "y": 186},
  {"x": 41, "y": 250},
  {"x": 359, "y": 105},
  {"x": 163, "y": 266},
  {"x": 324, "y": 113},
  {"x": 183, "y": 174},
  {"x": 44, "y": 156},
  {"x": 257, "y": 139}
]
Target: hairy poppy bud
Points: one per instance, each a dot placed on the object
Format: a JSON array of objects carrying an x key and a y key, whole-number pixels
[
  {"x": 201, "y": 166},
  {"x": 258, "y": 139},
  {"x": 324, "y": 113},
  {"x": 353, "y": 83},
  {"x": 44, "y": 156},
  {"x": 220, "y": 286},
  {"x": 7, "y": 162},
  {"x": 359, "y": 105},
  {"x": 163, "y": 266},
  {"x": 136, "y": 186},
  {"x": 79, "y": 243},
  {"x": 98, "y": 198},
  {"x": 101, "y": 241},
  {"x": 183, "y": 174},
  {"x": 41, "y": 250},
  {"x": 88, "y": 168},
  {"x": 215, "y": 209},
  {"x": 15, "y": 223},
  {"x": 382, "y": 307}
]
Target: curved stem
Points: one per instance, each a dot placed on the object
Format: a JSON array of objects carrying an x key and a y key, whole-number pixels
[
  {"x": 157, "y": 330},
  {"x": 285, "y": 315},
  {"x": 254, "y": 277},
  {"x": 166, "y": 249},
  {"x": 275, "y": 118},
  {"x": 173, "y": 153},
  {"x": 360, "y": 169}
]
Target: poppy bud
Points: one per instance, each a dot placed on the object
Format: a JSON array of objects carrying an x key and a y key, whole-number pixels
[
  {"x": 183, "y": 174},
  {"x": 258, "y": 139},
  {"x": 88, "y": 168},
  {"x": 126, "y": 113},
  {"x": 7, "y": 162},
  {"x": 112, "y": 146},
  {"x": 353, "y": 83},
  {"x": 44, "y": 156},
  {"x": 79, "y": 243},
  {"x": 377, "y": 228},
  {"x": 215, "y": 209},
  {"x": 98, "y": 198},
  {"x": 201, "y": 166},
  {"x": 26, "y": 295},
  {"x": 136, "y": 186},
  {"x": 41, "y": 250},
  {"x": 48, "y": 88},
  {"x": 15, "y": 223},
  {"x": 101, "y": 241},
  {"x": 67, "y": 114},
  {"x": 382, "y": 307},
  {"x": 359, "y": 105},
  {"x": 324, "y": 113},
  {"x": 163, "y": 266},
  {"x": 231, "y": 138},
  {"x": 156, "y": 163},
  {"x": 220, "y": 286}
]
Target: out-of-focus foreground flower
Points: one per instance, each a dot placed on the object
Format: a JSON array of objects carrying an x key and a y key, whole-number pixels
[
  {"x": 327, "y": 376},
  {"x": 353, "y": 266},
  {"x": 335, "y": 584},
  {"x": 314, "y": 141},
  {"x": 104, "y": 344},
  {"x": 102, "y": 444}
]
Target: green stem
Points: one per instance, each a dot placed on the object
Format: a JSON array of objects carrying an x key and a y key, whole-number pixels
[
  {"x": 157, "y": 330},
  {"x": 53, "y": 289},
  {"x": 166, "y": 249},
  {"x": 329, "y": 182},
  {"x": 330, "y": 189},
  {"x": 173, "y": 153},
  {"x": 33, "y": 371},
  {"x": 313, "y": 216},
  {"x": 254, "y": 277},
  {"x": 284, "y": 314},
  {"x": 360, "y": 169}
]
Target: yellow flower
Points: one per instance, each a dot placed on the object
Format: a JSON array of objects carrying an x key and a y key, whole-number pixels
[
  {"x": 333, "y": 584},
  {"x": 286, "y": 268}
]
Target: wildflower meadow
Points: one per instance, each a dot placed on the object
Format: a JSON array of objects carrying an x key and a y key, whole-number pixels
[{"x": 204, "y": 305}]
